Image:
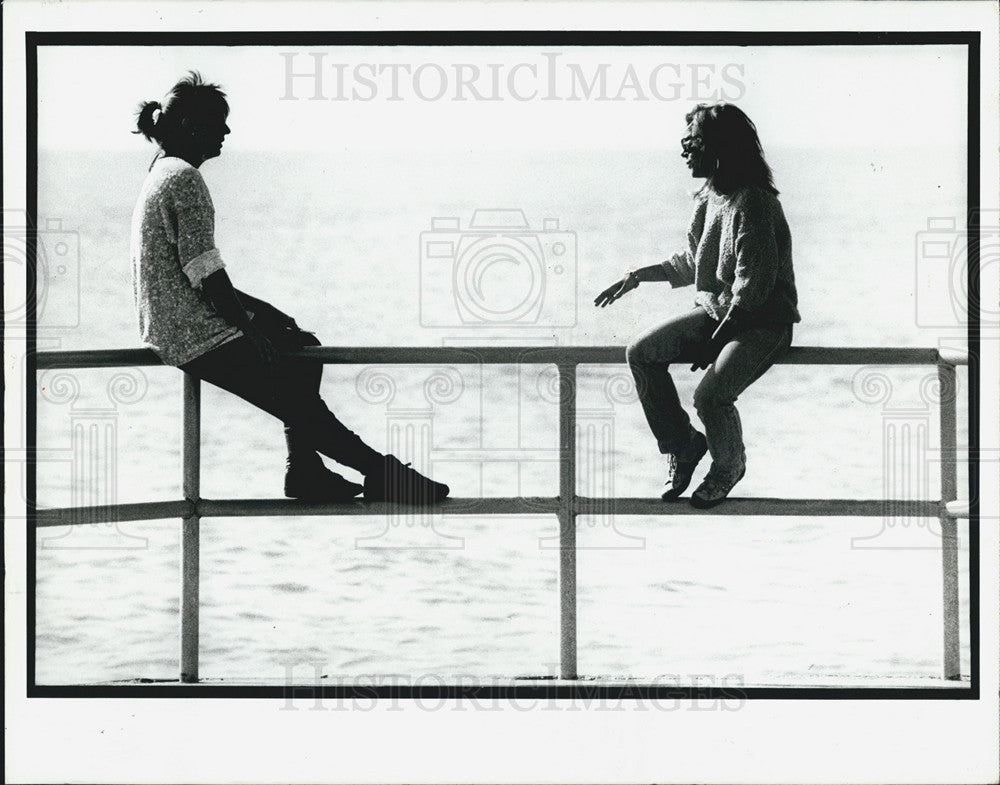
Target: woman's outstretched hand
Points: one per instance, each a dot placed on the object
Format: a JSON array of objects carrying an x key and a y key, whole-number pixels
[{"x": 617, "y": 290}]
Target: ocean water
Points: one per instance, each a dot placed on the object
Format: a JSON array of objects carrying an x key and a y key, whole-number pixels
[{"x": 343, "y": 240}]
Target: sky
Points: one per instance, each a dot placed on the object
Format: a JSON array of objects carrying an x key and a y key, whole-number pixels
[{"x": 513, "y": 97}]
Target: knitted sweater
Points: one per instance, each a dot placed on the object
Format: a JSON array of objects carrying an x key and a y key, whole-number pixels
[
  {"x": 173, "y": 251},
  {"x": 739, "y": 253}
]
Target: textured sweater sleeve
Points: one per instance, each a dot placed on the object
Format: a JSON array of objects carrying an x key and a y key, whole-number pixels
[
  {"x": 756, "y": 251},
  {"x": 680, "y": 267},
  {"x": 195, "y": 227}
]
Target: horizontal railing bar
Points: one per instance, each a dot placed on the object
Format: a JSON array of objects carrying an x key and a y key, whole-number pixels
[
  {"x": 951, "y": 356},
  {"x": 109, "y": 513},
  {"x": 500, "y": 505},
  {"x": 957, "y": 509},
  {"x": 763, "y": 506},
  {"x": 512, "y": 505},
  {"x": 799, "y": 355},
  {"x": 502, "y": 355},
  {"x": 96, "y": 358}
]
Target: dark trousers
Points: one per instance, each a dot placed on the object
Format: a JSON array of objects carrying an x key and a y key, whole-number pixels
[{"x": 290, "y": 393}]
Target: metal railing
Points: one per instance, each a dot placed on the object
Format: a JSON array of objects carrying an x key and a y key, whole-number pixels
[{"x": 567, "y": 505}]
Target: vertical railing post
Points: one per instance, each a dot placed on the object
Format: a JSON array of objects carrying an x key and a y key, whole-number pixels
[
  {"x": 949, "y": 526},
  {"x": 190, "y": 530},
  {"x": 567, "y": 520}
]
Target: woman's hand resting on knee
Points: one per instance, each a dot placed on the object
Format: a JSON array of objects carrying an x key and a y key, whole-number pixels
[
  {"x": 266, "y": 350},
  {"x": 219, "y": 291},
  {"x": 734, "y": 323}
]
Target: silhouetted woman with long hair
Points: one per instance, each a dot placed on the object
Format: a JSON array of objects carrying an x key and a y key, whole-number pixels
[
  {"x": 739, "y": 259},
  {"x": 193, "y": 318}
]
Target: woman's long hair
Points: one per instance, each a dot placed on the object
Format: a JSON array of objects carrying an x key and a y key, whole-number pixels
[
  {"x": 190, "y": 98},
  {"x": 731, "y": 138}
]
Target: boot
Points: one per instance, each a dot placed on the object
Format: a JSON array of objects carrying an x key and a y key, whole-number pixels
[
  {"x": 394, "y": 481},
  {"x": 682, "y": 471},
  {"x": 306, "y": 477}
]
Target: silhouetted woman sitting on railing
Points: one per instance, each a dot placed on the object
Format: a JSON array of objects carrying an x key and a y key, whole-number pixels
[
  {"x": 739, "y": 258},
  {"x": 193, "y": 318}
]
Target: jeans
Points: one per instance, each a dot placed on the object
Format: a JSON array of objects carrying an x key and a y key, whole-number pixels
[
  {"x": 290, "y": 393},
  {"x": 740, "y": 363}
]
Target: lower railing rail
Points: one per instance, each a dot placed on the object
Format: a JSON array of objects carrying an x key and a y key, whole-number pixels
[{"x": 567, "y": 505}]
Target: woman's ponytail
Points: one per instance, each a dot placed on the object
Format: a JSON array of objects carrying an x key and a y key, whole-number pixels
[
  {"x": 190, "y": 98},
  {"x": 148, "y": 120}
]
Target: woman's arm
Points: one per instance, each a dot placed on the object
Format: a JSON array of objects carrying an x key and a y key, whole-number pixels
[
  {"x": 678, "y": 270},
  {"x": 654, "y": 272},
  {"x": 261, "y": 307},
  {"x": 756, "y": 246},
  {"x": 201, "y": 263},
  {"x": 618, "y": 289},
  {"x": 220, "y": 292}
]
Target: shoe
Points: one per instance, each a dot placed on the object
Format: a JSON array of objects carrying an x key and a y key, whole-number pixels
[
  {"x": 395, "y": 481},
  {"x": 318, "y": 484},
  {"x": 682, "y": 471},
  {"x": 714, "y": 490}
]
